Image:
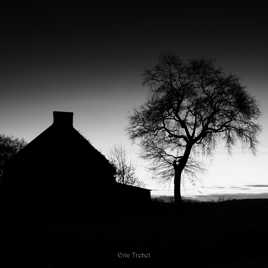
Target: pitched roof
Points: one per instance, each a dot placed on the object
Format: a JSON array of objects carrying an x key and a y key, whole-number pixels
[
  {"x": 61, "y": 149},
  {"x": 54, "y": 137}
]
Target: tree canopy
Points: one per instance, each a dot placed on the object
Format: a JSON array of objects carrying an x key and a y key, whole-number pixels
[
  {"x": 9, "y": 146},
  {"x": 193, "y": 104}
]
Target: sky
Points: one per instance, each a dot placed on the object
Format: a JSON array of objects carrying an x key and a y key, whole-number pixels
[{"x": 90, "y": 61}]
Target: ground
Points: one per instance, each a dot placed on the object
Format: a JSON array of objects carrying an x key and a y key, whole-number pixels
[{"x": 225, "y": 234}]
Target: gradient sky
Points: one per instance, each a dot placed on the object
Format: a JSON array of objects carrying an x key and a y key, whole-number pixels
[{"x": 90, "y": 61}]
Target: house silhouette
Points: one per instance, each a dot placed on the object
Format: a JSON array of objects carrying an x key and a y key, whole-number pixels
[{"x": 69, "y": 177}]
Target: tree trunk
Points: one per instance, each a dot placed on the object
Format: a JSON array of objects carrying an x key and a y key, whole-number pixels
[
  {"x": 177, "y": 186},
  {"x": 178, "y": 168}
]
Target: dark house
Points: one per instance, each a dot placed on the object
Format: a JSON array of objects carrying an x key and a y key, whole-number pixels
[{"x": 68, "y": 176}]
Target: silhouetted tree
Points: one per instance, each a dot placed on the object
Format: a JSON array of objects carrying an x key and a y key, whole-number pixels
[
  {"x": 125, "y": 171},
  {"x": 8, "y": 147},
  {"x": 192, "y": 104}
]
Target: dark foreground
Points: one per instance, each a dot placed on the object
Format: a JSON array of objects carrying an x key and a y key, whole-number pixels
[{"x": 226, "y": 234}]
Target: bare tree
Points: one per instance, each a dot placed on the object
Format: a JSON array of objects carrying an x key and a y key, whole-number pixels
[
  {"x": 193, "y": 104},
  {"x": 125, "y": 171},
  {"x": 8, "y": 147}
]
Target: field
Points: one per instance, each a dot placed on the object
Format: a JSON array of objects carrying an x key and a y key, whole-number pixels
[{"x": 213, "y": 234}]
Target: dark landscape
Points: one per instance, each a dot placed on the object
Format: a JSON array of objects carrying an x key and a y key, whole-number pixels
[
  {"x": 195, "y": 234},
  {"x": 225, "y": 234}
]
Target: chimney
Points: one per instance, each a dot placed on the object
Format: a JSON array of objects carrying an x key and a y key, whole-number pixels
[{"x": 63, "y": 119}]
